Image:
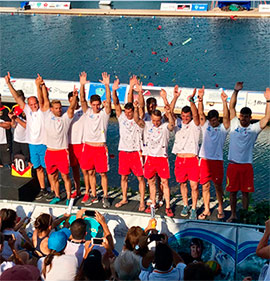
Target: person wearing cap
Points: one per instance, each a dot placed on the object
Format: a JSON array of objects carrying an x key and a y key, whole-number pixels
[
  {"x": 243, "y": 136},
  {"x": 21, "y": 272},
  {"x": 5, "y": 135},
  {"x": 34, "y": 134},
  {"x": 18, "y": 122},
  {"x": 56, "y": 265}
]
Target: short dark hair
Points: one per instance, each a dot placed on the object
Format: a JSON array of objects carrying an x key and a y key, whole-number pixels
[
  {"x": 197, "y": 241},
  {"x": 186, "y": 109},
  {"x": 156, "y": 113},
  {"x": 21, "y": 94},
  {"x": 212, "y": 113},
  {"x": 129, "y": 105},
  {"x": 198, "y": 271},
  {"x": 78, "y": 229},
  {"x": 95, "y": 98},
  {"x": 246, "y": 111},
  {"x": 163, "y": 257},
  {"x": 42, "y": 222},
  {"x": 151, "y": 100}
]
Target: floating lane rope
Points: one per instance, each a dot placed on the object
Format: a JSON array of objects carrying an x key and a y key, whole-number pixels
[{"x": 185, "y": 42}]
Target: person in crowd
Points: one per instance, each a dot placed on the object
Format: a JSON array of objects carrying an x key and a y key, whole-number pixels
[
  {"x": 44, "y": 224},
  {"x": 5, "y": 135},
  {"x": 95, "y": 151},
  {"x": 34, "y": 134},
  {"x": 186, "y": 146},
  {"x": 165, "y": 258},
  {"x": 243, "y": 136},
  {"x": 130, "y": 158},
  {"x": 156, "y": 138},
  {"x": 18, "y": 123},
  {"x": 75, "y": 139},
  {"x": 56, "y": 265},
  {"x": 198, "y": 271},
  {"x": 196, "y": 250},
  {"x": 211, "y": 153},
  {"x": 56, "y": 136},
  {"x": 21, "y": 272}
]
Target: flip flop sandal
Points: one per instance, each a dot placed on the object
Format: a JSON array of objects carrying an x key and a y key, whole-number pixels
[
  {"x": 220, "y": 216},
  {"x": 203, "y": 216}
]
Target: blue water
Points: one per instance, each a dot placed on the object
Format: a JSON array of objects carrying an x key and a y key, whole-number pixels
[{"x": 220, "y": 53}]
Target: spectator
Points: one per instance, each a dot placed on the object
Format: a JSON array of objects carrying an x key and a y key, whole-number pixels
[
  {"x": 21, "y": 272},
  {"x": 198, "y": 271},
  {"x": 196, "y": 249}
]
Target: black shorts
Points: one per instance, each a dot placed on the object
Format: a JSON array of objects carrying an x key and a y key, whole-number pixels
[
  {"x": 21, "y": 148},
  {"x": 5, "y": 154}
]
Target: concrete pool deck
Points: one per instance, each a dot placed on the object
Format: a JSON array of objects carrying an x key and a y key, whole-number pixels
[{"x": 138, "y": 13}]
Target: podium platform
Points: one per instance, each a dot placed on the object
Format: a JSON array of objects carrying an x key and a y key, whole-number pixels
[{"x": 15, "y": 188}]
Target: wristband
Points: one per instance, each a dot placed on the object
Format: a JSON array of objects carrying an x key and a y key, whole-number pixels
[
  {"x": 191, "y": 100},
  {"x": 267, "y": 100}
]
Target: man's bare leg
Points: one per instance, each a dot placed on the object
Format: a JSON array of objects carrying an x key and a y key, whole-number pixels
[
  {"x": 166, "y": 191},
  {"x": 53, "y": 179},
  {"x": 86, "y": 181},
  {"x": 233, "y": 199},
  {"x": 142, "y": 192},
  {"x": 159, "y": 188},
  {"x": 245, "y": 200},
  {"x": 206, "y": 200},
  {"x": 76, "y": 177},
  {"x": 219, "y": 194},
  {"x": 152, "y": 189},
  {"x": 67, "y": 183},
  {"x": 93, "y": 182},
  {"x": 41, "y": 177},
  {"x": 124, "y": 187},
  {"x": 194, "y": 193},
  {"x": 104, "y": 184},
  {"x": 184, "y": 192}
]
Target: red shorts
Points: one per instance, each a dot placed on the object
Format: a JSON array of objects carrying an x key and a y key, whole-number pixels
[
  {"x": 57, "y": 160},
  {"x": 211, "y": 170},
  {"x": 186, "y": 169},
  {"x": 75, "y": 153},
  {"x": 159, "y": 165},
  {"x": 240, "y": 177},
  {"x": 130, "y": 162},
  {"x": 95, "y": 158}
]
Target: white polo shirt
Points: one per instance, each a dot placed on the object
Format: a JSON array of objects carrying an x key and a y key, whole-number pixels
[
  {"x": 242, "y": 140},
  {"x": 186, "y": 138},
  {"x": 20, "y": 132},
  {"x": 95, "y": 126},
  {"x": 75, "y": 133},
  {"x": 156, "y": 140},
  {"x": 213, "y": 140},
  {"x": 35, "y": 130},
  {"x": 130, "y": 134},
  {"x": 56, "y": 130},
  {"x": 3, "y": 134}
]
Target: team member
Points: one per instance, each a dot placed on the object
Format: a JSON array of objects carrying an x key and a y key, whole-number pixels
[
  {"x": 156, "y": 138},
  {"x": 34, "y": 134},
  {"x": 211, "y": 153},
  {"x": 18, "y": 122},
  {"x": 5, "y": 135},
  {"x": 56, "y": 132},
  {"x": 186, "y": 147},
  {"x": 243, "y": 135},
  {"x": 130, "y": 159},
  {"x": 75, "y": 139},
  {"x": 95, "y": 152}
]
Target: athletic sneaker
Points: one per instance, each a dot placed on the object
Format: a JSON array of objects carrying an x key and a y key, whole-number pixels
[
  {"x": 169, "y": 212},
  {"x": 67, "y": 202},
  {"x": 185, "y": 211},
  {"x": 55, "y": 200},
  {"x": 105, "y": 203},
  {"x": 50, "y": 196},
  {"x": 75, "y": 194},
  {"x": 42, "y": 193},
  {"x": 91, "y": 201},
  {"x": 193, "y": 215},
  {"x": 85, "y": 198}
]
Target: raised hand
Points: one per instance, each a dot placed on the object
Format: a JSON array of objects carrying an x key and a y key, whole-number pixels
[
  {"x": 105, "y": 79},
  {"x": 163, "y": 94},
  {"x": 176, "y": 91},
  {"x": 135, "y": 104},
  {"x": 224, "y": 97},
  {"x": 194, "y": 93},
  {"x": 201, "y": 93},
  {"x": 83, "y": 78},
  {"x": 99, "y": 218},
  {"x": 238, "y": 86},
  {"x": 167, "y": 109},
  {"x": 138, "y": 87},
  {"x": 133, "y": 81},
  {"x": 267, "y": 94},
  {"x": 7, "y": 78},
  {"x": 115, "y": 85},
  {"x": 39, "y": 80}
]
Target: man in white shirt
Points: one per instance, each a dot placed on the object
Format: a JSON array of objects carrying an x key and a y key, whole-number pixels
[
  {"x": 34, "y": 134},
  {"x": 243, "y": 135},
  {"x": 211, "y": 153},
  {"x": 186, "y": 146},
  {"x": 156, "y": 139},
  {"x": 130, "y": 158},
  {"x": 95, "y": 151},
  {"x": 56, "y": 136}
]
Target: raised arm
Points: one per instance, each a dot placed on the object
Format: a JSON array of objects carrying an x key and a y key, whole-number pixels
[
  {"x": 226, "y": 113},
  {"x": 266, "y": 118},
  {"x": 39, "y": 82},
  {"x": 200, "y": 106},
  {"x": 106, "y": 82},
  {"x": 14, "y": 93},
  {"x": 83, "y": 81},
  {"x": 263, "y": 249},
  {"x": 176, "y": 95},
  {"x": 137, "y": 119},
  {"x": 194, "y": 109},
  {"x": 238, "y": 87},
  {"x": 163, "y": 95},
  {"x": 170, "y": 117},
  {"x": 138, "y": 88},
  {"x": 73, "y": 103},
  {"x": 45, "y": 95},
  {"x": 132, "y": 82},
  {"x": 15, "y": 119},
  {"x": 117, "y": 106}
]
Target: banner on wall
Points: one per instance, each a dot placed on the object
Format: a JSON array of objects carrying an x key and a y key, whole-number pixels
[
  {"x": 50, "y": 5},
  {"x": 225, "y": 247}
]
